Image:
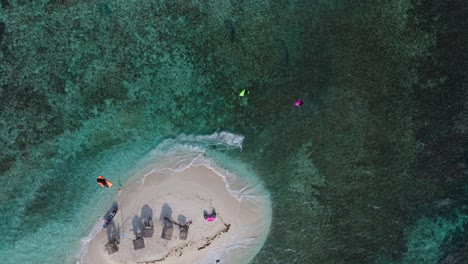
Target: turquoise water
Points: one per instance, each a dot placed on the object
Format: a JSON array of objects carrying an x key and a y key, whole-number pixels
[{"x": 371, "y": 169}]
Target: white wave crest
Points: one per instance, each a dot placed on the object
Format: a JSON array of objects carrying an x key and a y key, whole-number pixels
[{"x": 87, "y": 239}]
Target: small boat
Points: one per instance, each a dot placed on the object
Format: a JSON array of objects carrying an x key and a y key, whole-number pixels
[{"x": 111, "y": 216}]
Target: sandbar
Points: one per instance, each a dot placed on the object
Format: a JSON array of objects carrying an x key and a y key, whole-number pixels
[{"x": 235, "y": 236}]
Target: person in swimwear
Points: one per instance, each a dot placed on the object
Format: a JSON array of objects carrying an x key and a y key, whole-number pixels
[{"x": 210, "y": 217}]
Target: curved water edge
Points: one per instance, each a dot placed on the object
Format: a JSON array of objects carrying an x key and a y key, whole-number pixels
[{"x": 175, "y": 155}]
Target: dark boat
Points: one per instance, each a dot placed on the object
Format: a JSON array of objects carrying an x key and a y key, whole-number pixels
[{"x": 111, "y": 216}]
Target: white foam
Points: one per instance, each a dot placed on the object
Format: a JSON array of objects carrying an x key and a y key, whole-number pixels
[
  {"x": 186, "y": 156},
  {"x": 175, "y": 155},
  {"x": 87, "y": 239}
]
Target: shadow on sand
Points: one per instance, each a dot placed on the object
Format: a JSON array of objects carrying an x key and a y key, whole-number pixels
[
  {"x": 113, "y": 232},
  {"x": 166, "y": 212},
  {"x": 181, "y": 219},
  {"x": 146, "y": 213},
  {"x": 137, "y": 225}
]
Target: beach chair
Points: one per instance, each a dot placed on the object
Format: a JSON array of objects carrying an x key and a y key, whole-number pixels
[
  {"x": 138, "y": 243},
  {"x": 112, "y": 247},
  {"x": 148, "y": 228},
  {"x": 183, "y": 232},
  {"x": 183, "y": 229},
  {"x": 167, "y": 229}
]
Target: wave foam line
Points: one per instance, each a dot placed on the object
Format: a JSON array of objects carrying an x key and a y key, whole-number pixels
[
  {"x": 185, "y": 150},
  {"x": 246, "y": 192},
  {"x": 86, "y": 240}
]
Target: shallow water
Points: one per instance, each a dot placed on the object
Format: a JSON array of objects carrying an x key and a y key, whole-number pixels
[{"x": 371, "y": 169}]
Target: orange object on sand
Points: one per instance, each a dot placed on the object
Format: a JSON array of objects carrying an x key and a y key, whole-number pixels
[{"x": 103, "y": 182}]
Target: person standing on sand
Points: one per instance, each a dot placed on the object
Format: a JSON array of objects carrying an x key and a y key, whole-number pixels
[{"x": 210, "y": 217}]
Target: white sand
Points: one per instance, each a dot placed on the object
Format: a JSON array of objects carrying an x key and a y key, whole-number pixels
[{"x": 235, "y": 236}]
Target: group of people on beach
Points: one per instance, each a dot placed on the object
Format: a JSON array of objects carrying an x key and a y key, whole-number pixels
[{"x": 105, "y": 183}]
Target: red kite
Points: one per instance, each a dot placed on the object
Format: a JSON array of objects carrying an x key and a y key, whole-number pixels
[{"x": 103, "y": 182}]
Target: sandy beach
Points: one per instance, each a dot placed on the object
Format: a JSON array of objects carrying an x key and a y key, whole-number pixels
[{"x": 235, "y": 236}]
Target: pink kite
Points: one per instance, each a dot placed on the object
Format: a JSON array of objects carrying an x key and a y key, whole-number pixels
[
  {"x": 210, "y": 219},
  {"x": 299, "y": 102}
]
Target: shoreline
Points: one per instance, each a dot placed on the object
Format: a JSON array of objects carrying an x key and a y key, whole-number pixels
[{"x": 237, "y": 234}]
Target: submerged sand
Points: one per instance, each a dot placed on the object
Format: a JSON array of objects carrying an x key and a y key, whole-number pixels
[{"x": 240, "y": 228}]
